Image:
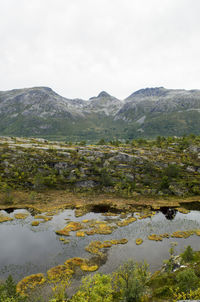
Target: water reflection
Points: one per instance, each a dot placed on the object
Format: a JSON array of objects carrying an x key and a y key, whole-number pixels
[
  {"x": 25, "y": 249},
  {"x": 169, "y": 213}
]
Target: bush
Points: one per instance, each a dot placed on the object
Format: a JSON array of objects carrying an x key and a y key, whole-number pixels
[
  {"x": 172, "y": 171},
  {"x": 164, "y": 183},
  {"x": 101, "y": 142},
  {"x": 8, "y": 292},
  {"x": 7, "y": 194},
  {"x": 188, "y": 254},
  {"x": 95, "y": 288},
  {"x": 131, "y": 281},
  {"x": 187, "y": 280},
  {"x": 164, "y": 291}
]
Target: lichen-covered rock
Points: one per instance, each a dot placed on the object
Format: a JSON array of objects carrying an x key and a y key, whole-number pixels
[{"x": 86, "y": 184}]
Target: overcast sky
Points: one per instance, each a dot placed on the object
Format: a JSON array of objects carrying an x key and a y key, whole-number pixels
[{"x": 81, "y": 47}]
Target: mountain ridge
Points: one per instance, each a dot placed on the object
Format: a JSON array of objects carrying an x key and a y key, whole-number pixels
[{"x": 148, "y": 112}]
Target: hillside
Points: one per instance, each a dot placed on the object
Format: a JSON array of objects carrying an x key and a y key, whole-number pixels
[
  {"x": 165, "y": 167},
  {"x": 40, "y": 112}
]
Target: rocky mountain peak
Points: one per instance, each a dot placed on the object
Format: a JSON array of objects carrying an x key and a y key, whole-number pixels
[
  {"x": 149, "y": 92},
  {"x": 103, "y": 94}
]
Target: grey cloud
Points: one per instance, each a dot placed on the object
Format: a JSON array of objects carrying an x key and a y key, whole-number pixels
[{"x": 82, "y": 47}]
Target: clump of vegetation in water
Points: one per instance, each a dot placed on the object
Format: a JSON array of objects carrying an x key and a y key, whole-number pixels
[
  {"x": 84, "y": 264},
  {"x": 156, "y": 237},
  {"x": 4, "y": 218},
  {"x": 139, "y": 241},
  {"x": 95, "y": 246},
  {"x": 59, "y": 272},
  {"x": 126, "y": 222},
  {"x": 21, "y": 215},
  {"x": 30, "y": 282},
  {"x": 131, "y": 282},
  {"x": 71, "y": 226}
]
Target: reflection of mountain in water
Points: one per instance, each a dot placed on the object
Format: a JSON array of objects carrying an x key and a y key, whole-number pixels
[{"x": 169, "y": 213}]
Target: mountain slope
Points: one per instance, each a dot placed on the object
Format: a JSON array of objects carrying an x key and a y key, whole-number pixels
[{"x": 39, "y": 111}]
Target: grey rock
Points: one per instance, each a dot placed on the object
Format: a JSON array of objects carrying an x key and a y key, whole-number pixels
[
  {"x": 123, "y": 157},
  {"x": 86, "y": 184},
  {"x": 191, "y": 169},
  {"x": 61, "y": 165}
]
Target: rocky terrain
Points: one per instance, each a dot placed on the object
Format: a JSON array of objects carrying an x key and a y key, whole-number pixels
[
  {"x": 40, "y": 112},
  {"x": 164, "y": 167}
]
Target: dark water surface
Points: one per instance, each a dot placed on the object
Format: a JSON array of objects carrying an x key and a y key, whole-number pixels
[{"x": 25, "y": 249}]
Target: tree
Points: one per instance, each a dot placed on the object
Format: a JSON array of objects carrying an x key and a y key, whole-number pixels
[
  {"x": 131, "y": 281},
  {"x": 188, "y": 254},
  {"x": 97, "y": 288}
]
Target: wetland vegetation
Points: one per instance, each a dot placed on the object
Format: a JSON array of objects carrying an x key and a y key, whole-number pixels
[{"x": 72, "y": 216}]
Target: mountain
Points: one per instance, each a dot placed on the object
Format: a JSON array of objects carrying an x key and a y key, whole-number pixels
[{"x": 41, "y": 112}]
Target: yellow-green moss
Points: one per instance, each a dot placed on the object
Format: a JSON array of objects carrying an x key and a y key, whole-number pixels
[
  {"x": 95, "y": 246},
  {"x": 43, "y": 217},
  {"x": 126, "y": 221},
  {"x": 183, "y": 210},
  {"x": 65, "y": 241},
  {"x": 5, "y": 218},
  {"x": 119, "y": 241},
  {"x": 84, "y": 264},
  {"x": 63, "y": 232},
  {"x": 71, "y": 226},
  {"x": 76, "y": 261},
  {"x": 80, "y": 234},
  {"x": 182, "y": 234},
  {"x": 109, "y": 214},
  {"x": 30, "y": 282},
  {"x": 155, "y": 237},
  {"x": 74, "y": 226},
  {"x": 59, "y": 272},
  {"x": 138, "y": 241},
  {"x": 90, "y": 232},
  {"x": 35, "y": 223},
  {"x": 21, "y": 215},
  {"x": 80, "y": 211},
  {"x": 87, "y": 268},
  {"x": 103, "y": 229},
  {"x": 158, "y": 237}
]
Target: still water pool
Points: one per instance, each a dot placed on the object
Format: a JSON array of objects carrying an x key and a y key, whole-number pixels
[{"x": 27, "y": 249}]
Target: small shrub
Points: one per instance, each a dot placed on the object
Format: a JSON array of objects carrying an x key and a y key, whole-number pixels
[
  {"x": 7, "y": 194},
  {"x": 131, "y": 281},
  {"x": 188, "y": 254},
  {"x": 172, "y": 171},
  {"x": 95, "y": 288},
  {"x": 187, "y": 280},
  {"x": 162, "y": 292}
]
